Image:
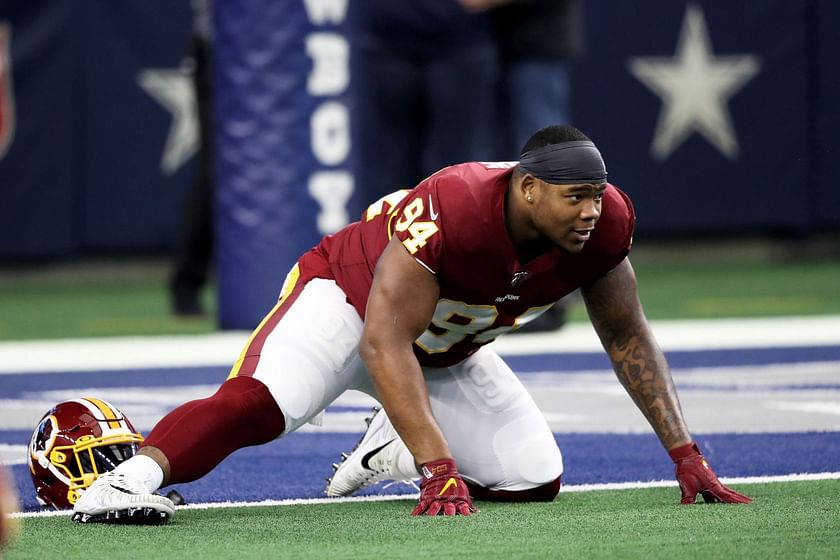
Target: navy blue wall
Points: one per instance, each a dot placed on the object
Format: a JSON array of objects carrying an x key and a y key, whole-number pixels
[
  {"x": 82, "y": 142},
  {"x": 81, "y": 168},
  {"x": 38, "y": 171},
  {"x": 764, "y": 175},
  {"x": 827, "y": 115}
]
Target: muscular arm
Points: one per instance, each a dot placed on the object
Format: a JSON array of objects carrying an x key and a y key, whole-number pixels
[
  {"x": 401, "y": 305},
  {"x": 614, "y": 308}
]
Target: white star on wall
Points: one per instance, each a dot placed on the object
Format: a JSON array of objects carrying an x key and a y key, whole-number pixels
[
  {"x": 173, "y": 88},
  {"x": 695, "y": 87}
]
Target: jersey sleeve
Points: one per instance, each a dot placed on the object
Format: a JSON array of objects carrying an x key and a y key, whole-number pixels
[
  {"x": 625, "y": 223},
  {"x": 420, "y": 223}
]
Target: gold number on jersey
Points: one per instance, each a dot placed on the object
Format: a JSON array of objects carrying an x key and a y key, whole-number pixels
[
  {"x": 410, "y": 213},
  {"x": 389, "y": 200},
  {"x": 454, "y": 321},
  {"x": 420, "y": 232},
  {"x": 491, "y": 334},
  {"x": 457, "y": 320}
]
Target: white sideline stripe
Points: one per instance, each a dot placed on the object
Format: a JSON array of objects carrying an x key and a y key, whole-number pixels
[
  {"x": 575, "y": 488},
  {"x": 223, "y": 348},
  {"x": 726, "y": 480},
  {"x": 13, "y": 454},
  {"x": 216, "y": 349},
  {"x": 681, "y": 335}
]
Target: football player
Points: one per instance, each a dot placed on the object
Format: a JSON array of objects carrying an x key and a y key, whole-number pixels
[{"x": 402, "y": 304}]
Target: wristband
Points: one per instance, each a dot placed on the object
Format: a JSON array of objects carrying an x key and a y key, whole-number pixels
[{"x": 679, "y": 453}]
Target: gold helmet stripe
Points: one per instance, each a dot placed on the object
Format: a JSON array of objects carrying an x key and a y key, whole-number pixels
[{"x": 113, "y": 420}]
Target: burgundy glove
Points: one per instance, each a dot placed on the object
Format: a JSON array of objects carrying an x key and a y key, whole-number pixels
[
  {"x": 696, "y": 476},
  {"x": 443, "y": 489}
]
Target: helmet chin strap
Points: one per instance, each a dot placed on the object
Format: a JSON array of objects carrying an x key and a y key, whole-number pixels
[{"x": 47, "y": 464}]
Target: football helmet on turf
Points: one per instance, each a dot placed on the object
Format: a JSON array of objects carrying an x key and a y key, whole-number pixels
[{"x": 75, "y": 442}]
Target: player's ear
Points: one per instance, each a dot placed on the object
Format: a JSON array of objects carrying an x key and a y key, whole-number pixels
[{"x": 527, "y": 184}]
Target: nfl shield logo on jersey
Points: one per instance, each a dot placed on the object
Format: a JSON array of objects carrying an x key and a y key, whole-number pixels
[{"x": 7, "y": 106}]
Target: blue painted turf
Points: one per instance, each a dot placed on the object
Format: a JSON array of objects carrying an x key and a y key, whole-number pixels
[
  {"x": 15, "y": 385},
  {"x": 296, "y": 466},
  {"x": 577, "y": 361}
]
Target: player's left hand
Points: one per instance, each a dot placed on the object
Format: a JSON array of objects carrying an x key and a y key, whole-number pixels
[
  {"x": 696, "y": 477},
  {"x": 442, "y": 490}
]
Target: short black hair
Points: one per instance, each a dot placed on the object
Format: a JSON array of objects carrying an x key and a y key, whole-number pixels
[{"x": 554, "y": 134}]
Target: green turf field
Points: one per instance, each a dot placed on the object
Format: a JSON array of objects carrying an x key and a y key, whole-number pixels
[
  {"x": 91, "y": 298},
  {"x": 128, "y": 296},
  {"x": 787, "y": 520},
  {"x": 790, "y": 520}
]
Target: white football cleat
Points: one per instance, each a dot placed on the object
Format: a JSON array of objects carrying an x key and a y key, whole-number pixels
[
  {"x": 373, "y": 459},
  {"x": 113, "y": 498}
]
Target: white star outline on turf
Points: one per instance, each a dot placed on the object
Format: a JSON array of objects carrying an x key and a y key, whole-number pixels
[{"x": 695, "y": 87}]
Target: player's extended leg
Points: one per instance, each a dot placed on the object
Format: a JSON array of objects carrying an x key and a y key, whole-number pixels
[
  {"x": 503, "y": 446},
  {"x": 195, "y": 437},
  {"x": 302, "y": 356},
  {"x": 185, "y": 445}
]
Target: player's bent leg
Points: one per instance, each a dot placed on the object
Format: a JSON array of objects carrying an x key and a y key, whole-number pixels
[
  {"x": 381, "y": 456},
  {"x": 543, "y": 493},
  {"x": 500, "y": 439}
]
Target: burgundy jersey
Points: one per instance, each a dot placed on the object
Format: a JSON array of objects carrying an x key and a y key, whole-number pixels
[{"x": 453, "y": 223}]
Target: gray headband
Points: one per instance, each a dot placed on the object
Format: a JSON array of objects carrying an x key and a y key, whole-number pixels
[{"x": 568, "y": 163}]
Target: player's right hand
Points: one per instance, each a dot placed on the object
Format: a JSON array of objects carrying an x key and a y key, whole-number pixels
[
  {"x": 696, "y": 477},
  {"x": 442, "y": 490}
]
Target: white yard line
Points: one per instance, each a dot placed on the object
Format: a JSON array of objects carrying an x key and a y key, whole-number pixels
[
  {"x": 707, "y": 334},
  {"x": 222, "y": 349},
  {"x": 216, "y": 349},
  {"x": 575, "y": 488}
]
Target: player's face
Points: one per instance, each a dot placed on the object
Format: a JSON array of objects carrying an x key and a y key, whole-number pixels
[{"x": 567, "y": 214}]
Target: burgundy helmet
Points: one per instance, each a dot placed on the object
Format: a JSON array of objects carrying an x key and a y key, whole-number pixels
[{"x": 75, "y": 442}]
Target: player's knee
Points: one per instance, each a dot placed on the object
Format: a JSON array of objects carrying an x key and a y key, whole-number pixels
[
  {"x": 526, "y": 452},
  {"x": 532, "y": 473},
  {"x": 536, "y": 463},
  {"x": 542, "y": 493},
  {"x": 251, "y": 408},
  {"x": 545, "y": 492}
]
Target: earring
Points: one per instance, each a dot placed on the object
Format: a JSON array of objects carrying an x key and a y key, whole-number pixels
[{"x": 529, "y": 198}]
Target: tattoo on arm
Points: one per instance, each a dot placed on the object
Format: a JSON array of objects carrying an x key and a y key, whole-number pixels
[{"x": 640, "y": 365}]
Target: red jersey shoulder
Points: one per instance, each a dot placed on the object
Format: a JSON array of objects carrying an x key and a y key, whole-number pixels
[{"x": 448, "y": 209}]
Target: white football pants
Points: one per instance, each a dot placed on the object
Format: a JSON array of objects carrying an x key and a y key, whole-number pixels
[{"x": 498, "y": 436}]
